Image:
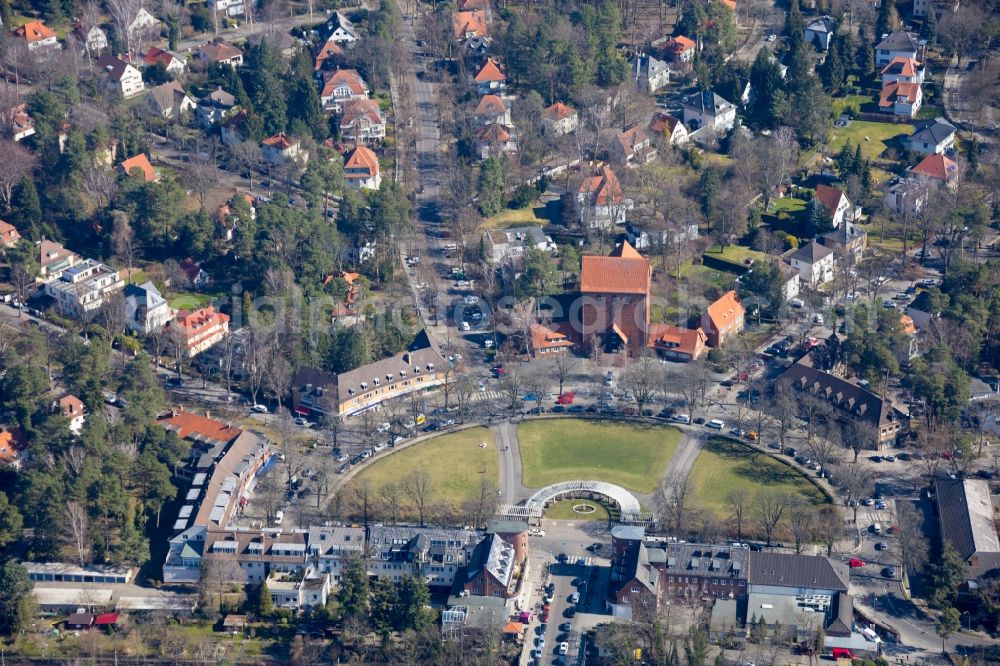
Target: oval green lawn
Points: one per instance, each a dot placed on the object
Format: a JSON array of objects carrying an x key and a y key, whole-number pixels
[
  {"x": 725, "y": 465},
  {"x": 455, "y": 462},
  {"x": 631, "y": 455}
]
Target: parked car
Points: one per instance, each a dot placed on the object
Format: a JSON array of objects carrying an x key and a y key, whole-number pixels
[
  {"x": 855, "y": 563},
  {"x": 716, "y": 424},
  {"x": 574, "y": 598},
  {"x": 889, "y": 572},
  {"x": 258, "y": 408}
]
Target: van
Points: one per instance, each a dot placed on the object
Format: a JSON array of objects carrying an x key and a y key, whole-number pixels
[
  {"x": 682, "y": 418},
  {"x": 870, "y": 634},
  {"x": 716, "y": 424},
  {"x": 278, "y": 517},
  {"x": 877, "y": 528}
]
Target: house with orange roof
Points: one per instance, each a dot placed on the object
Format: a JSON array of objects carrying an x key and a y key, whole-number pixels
[
  {"x": 219, "y": 53},
  {"x": 911, "y": 349},
  {"x": 901, "y": 99},
  {"x": 668, "y": 127},
  {"x": 339, "y": 86},
  {"x": 677, "y": 49},
  {"x": 495, "y": 140},
  {"x": 12, "y": 446},
  {"x": 492, "y": 110},
  {"x": 36, "y": 35},
  {"x": 22, "y": 125},
  {"x": 633, "y": 146},
  {"x": 72, "y": 408},
  {"x": 600, "y": 200},
  {"x": 197, "y": 331},
  {"x": 549, "y": 339},
  {"x": 9, "y": 234},
  {"x": 139, "y": 164},
  {"x": 837, "y": 204},
  {"x": 614, "y": 290},
  {"x": 361, "y": 169},
  {"x": 560, "y": 119},
  {"x": 936, "y": 169},
  {"x": 675, "y": 343},
  {"x": 227, "y": 220},
  {"x": 362, "y": 121},
  {"x": 724, "y": 319},
  {"x": 470, "y": 24},
  {"x": 902, "y": 69},
  {"x": 328, "y": 55},
  {"x": 490, "y": 78},
  {"x": 281, "y": 148},
  {"x": 173, "y": 62},
  {"x": 197, "y": 428}
]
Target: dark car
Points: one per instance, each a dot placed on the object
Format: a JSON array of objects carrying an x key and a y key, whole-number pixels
[
  {"x": 881, "y": 545},
  {"x": 699, "y": 421},
  {"x": 558, "y": 409},
  {"x": 561, "y": 557},
  {"x": 565, "y": 626},
  {"x": 984, "y": 474},
  {"x": 576, "y": 409},
  {"x": 889, "y": 572},
  {"x": 175, "y": 381},
  {"x": 904, "y": 457},
  {"x": 791, "y": 452},
  {"x": 875, "y": 459},
  {"x": 594, "y": 547}
]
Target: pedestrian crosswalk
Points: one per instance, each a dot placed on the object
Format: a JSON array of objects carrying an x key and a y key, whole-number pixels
[{"x": 488, "y": 395}]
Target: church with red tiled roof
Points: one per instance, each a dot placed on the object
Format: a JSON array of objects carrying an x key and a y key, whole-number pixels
[{"x": 614, "y": 294}]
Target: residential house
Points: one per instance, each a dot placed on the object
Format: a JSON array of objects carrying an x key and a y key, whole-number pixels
[
  {"x": 968, "y": 524},
  {"x": 173, "y": 62},
  {"x": 469, "y": 24},
  {"x": 903, "y": 70},
  {"x": 418, "y": 368},
  {"x": 234, "y": 128},
  {"x": 72, "y": 408},
  {"x": 281, "y": 147},
  {"x": 852, "y": 399},
  {"x": 503, "y": 245},
  {"x": 219, "y": 53},
  {"x": 899, "y": 44},
  {"x": 328, "y": 54},
  {"x": 707, "y": 109},
  {"x": 299, "y": 591},
  {"x": 12, "y": 447},
  {"x": 492, "y": 110},
  {"x": 848, "y": 241},
  {"x": 197, "y": 277},
  {"x": 901, "y": 99},
  {"x": 144, "y": 22},
  {"x": 678, "y": 49},
  {"x": 910, "y": 348},
  {"x": 650, "y": 74},
  {"x": 53, "y": 259},
  {"x": 340, "y": 86},
  {"x": 940, "y": 7},
  {"x": 905, "y": 195},
  {"x": 147, "y": 310},
  {"x": 600, "y": 200},
  {"x": 791, "y": 281},
  {"x": 362, "y": 121},
  {"x": 936, "y": 137},
  {"x": 9, "y": 235},
  {"x": 361, "y": 169},
  {"x": 36, "y": 35},
  {"x": 341, "y": 29},
  {"x": 213, "y": 107},
  {"x": 94, "y": 39},
  {"x": 675, "y": 343},
  {"x": 813, "y": 261},
  {"x": 936, "y": 169},
  {"x": 490, "y": 78},
  {"x": 632, "y": 147},
  {"x": 84, "y": 287},
  {"x": 493, "y": 570},
  {"x": 643, "y": 238},
  {"x": 495, "y": 140},
  {"x": 559, "y": 120},
  {"x": 139, "y": 165},
  {"x": 121, "y": 76},
  {"x": 232, "y": 8},
  {"x": 724, "y": 319},
  {"x": 820, "y": 31},
  {"x": 548, "y": 339},
  {"x": 226, "y": 218},
  {"x": 634, "y": 582},
  {"x": 837, "y": 204},
  {"x": 615, "y": 299},
  {"x": 440, "y": 556},
  {"x": 477, "y": 48},
  {"x": 169, "y": 100},
  {"x": 668, "y": 127},
  {"x": 22, "y": 125},
  {"x": 198, "y": 330}
]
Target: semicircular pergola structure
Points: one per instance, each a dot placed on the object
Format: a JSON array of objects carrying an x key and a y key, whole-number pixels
[{"x": 625, "y": 501}]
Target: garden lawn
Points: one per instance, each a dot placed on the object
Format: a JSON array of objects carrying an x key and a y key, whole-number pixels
[
  {"x": 632, "y": 455},
  {"x": 881, "y": 137},
  {"x": 736, "y": 254},
  {"x": 454, "y": 462},
  {"x": 190, "y": 300},
  {"x": 516, "y": 217},
  {"x": 725, "y": 465},
  {"x": 789, "y": 205},
  {"x": 842, "y": 104}
]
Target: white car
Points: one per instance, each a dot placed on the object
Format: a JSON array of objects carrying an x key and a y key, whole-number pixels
[
  {"x": 383, "y": 427},
  {"x": 716, "y": 424},
  {"x": 682, "y": 418},
  {"x": 534, "y": 531},
  {"x": 574, "y": 598},
  {"x": 465, "y": 326},
  {"x": 260, "y": 409},
  {"x": 563, "y": 647}
]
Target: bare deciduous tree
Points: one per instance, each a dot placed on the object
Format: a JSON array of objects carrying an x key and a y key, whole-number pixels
[
  {"x": 101, "y": 184},
  {"x": 16, "y": 163},
  {"x": 76, "y": 532},
  {"x": 418, "y": 487},
  {"x": 739, "y": 504},
  {"x": 644, "y": 379},
  {"x": 673, "y": 499},
  {"x": 768, "y": 510},
  {"x": 565, "y": 365}
]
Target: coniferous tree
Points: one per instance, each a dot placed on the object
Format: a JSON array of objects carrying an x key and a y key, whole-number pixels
[
  {"x": 929, "y": 30},
  {"x": 888, "y": 18}
]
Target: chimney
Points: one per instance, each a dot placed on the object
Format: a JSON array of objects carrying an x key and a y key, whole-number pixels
[{"x": 208, "y": 414}]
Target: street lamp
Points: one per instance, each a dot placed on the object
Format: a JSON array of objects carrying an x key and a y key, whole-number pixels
[{"x": 968, "y": 623}]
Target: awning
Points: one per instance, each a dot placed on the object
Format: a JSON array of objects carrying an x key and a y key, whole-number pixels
[
  {"x": 302, "y": 411},
  {"x": 619, "y": 333}
]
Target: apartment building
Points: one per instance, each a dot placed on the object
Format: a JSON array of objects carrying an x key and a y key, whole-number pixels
[
  {"x": 198, "y": 330},
  {"x": 84, "y": 287}
]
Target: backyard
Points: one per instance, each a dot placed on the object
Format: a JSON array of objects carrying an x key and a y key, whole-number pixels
[
  {"x": 632, "y": 455},
  {"x": 725, "y": 465},
  {"x": 455, "y": 464},
  {"x": 874, "y": 138}
]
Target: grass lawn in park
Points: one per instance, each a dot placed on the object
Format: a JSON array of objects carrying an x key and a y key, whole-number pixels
[
  {"x": 632, "y": 455},
  {"x": 563, "y": 510},
  {"x": 725, "y": 465},
  {"x": 455, "y": 463}
]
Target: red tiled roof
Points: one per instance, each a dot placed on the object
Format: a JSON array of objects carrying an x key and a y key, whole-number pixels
[
  {"x": 192, "y": 323},
  {"x": 604, "y": 186},
  {"x": 674, "y": 338},
  {"x": 678, "y": 45},
  {"x": 936, "y": 166},
  {"x": 140, "y": 162},
  {"x": 725, "y": 310},
  {"x": 829, "y": 196},
  {"x": 899, "y": 91},
  {"x": 186, "y": 425},
  {"x": 330, "y": 49},
  {"x": 902, "y": 66},
  {"x": 34, "y": 31},
  {"x": 490, "y": 72},
  {"x": 281, "y": 141},
  {"x": 559, "y": 111},
  {"x": 360, "y": 158},
  {"x": 155, "y": 54},
  {"x": 909, "y": 327},
  {"x": 361, "y": 108},
  {"x": 465, "y": 23},
  {"x": 490, "y": 104},
  {"x": 663, "y": 123},
  {"x": 494, "y": 133},
  {"x": 219, "y": 52},
  {"x": 344, "y": 77},
  {"x": 625, "y": 271},
  {"x": 12, "y": 442},
  {"x": 545, "y": 337},
  {"x": 8, "y": 232},
  {"x": 71, "y": 406},
  {"x": 631, "y": 139}
]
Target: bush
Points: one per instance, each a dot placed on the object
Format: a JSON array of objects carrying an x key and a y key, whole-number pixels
[
  {"x": 524, "y": 196},
  {"x": 791, "y": 241}
]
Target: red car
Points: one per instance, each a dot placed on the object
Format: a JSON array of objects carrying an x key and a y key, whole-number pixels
[
  {"x": 855, "y": 563},
  {"x": 566, "y": 398}
]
